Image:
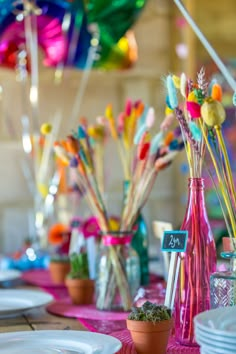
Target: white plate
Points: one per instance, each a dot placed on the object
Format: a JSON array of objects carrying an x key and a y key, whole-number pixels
[
  {"x": 215, "y": 337},
  {"x": 215, "y": 348},
  {"x": 58, "y": 342},
  {"x": 220, "y": 321},
  {"x": 9, "y": 274},
  {"x": 204, "y": 350},
  {"x": 204, "y": 339},
  {"x": 14, "y": 302}
]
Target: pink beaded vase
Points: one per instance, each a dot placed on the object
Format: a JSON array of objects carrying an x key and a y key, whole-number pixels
[{"x": 196, "y": 265}]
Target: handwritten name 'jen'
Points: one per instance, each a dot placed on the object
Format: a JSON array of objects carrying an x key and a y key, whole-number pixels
[{"x": 174, "y": 241}]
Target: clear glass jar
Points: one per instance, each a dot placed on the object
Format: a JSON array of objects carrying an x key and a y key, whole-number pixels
[
  {"x": 118, "y": 272},
  {"x": 223, "y": 284}
]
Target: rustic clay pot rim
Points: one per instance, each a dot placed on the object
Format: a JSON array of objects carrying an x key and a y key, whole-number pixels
[
  {"x": 76, "y": 282},
  {"x": 146, "y": 326},
  {"x": 59, "y": 262}
]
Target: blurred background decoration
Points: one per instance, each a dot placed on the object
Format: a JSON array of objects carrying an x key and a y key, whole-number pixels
[{"x": 67, "y": 30}]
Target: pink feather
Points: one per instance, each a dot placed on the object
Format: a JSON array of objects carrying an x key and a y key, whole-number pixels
[
  {"x": 150, "y": 119},
  {"x": 194, "y": 109},
  {"x": 128, "y": 107}
]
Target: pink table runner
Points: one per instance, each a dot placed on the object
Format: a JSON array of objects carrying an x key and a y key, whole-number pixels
[
  {"x": 111, "y": 323},
  {"x": 42, "y": 279}
]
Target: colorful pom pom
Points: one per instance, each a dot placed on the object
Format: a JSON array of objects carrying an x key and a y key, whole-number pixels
[
  {"x": 72, "y": 145},
  {"x": 121, "y": 122},
  {"x": 74, "y": 162},
  {"x": 168, "y": 111},
  {"x": 109, "y": 112},
  {"x": 176, "y": 81},
  {"x": 169, "y": 137},
  {"x": 196, "y": 132},
  {"x": 194, "y": 109},
  {"x": 177, "y": 132},
  {"x": 213, "y": 112},
  {"x": 150, "y": 118},
  {"x": 183, "y": 84},
  {"x": 192, "y": 97},
  {"x": 139, "y": 109},
  {"x": 137, "y": 103},
  {"x": 174, "y": 145},
  {"x": 81, "y": 132},
  {"x": 156, "y": 141},
  {"x": 143, "y": 151},
  {"x": 46, "y": 128},
  {"x": 128, "y": 107},
  {"x": 142, "y": 119},
  {"x": 216, "y": 92},
  {"x": 139, "y": 134},
  {"x": 173, "y": 100}
]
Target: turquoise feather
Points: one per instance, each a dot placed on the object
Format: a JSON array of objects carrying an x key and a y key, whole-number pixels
[
  {"x": 140, "y": 133},
  {"x": 195, "y": 130},
  {"x": 81, "y": 132},
  {"x": 172, "y": 94},
  {"x": 155, "y": 143}
]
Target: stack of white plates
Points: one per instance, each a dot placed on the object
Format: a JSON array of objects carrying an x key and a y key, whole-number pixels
[{"x": 215, "y": 331}]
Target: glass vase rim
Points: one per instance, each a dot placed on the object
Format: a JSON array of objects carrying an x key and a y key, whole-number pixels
[
  {"x": 198, "y": 179},
  {"x": 196, "y": 183},
  {"x": 116, "y": 233}
]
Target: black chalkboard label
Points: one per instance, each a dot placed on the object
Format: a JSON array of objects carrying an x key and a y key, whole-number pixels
[{"x": 174, "y": 241}]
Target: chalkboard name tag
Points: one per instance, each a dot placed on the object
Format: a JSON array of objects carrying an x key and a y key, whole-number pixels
[{"x": 174, "y": 241}]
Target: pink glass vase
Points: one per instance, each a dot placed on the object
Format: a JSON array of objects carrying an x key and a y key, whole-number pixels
[{"x": 196, "y": 265}]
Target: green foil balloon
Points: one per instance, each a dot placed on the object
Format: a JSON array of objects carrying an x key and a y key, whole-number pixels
[{"x": 113, "y": 18}]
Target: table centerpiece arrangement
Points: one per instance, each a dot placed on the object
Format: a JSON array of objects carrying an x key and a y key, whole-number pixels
[
  {"x": 198, "y": 262},
  {"x": 118, "y": 270}
]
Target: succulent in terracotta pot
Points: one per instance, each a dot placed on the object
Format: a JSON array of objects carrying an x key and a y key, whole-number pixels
[
  {"x": 80, "y": 287},
  {"x": 59, "y": 266},
  {"x": 150, "y": 327}
]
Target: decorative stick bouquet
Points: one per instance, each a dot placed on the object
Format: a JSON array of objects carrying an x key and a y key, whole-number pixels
[
  {"x": 198, "y": 262},
  {"x": 145, "y": 157},
  {"x": 201, "y": 122}
]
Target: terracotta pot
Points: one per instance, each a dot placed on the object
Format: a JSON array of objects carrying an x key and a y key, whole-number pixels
[
  {"x": 58, "y": 271},
  {"x": 81, "y": 291},
  {"x": 148, "y": 337}
]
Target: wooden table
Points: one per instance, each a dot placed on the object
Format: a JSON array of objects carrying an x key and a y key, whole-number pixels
[{"x": 38, "y": 319}]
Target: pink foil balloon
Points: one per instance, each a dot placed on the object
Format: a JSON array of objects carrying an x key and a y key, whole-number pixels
[{"x": 50, "y": 38}]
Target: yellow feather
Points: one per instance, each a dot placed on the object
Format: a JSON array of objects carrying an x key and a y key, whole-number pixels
[
  {"x": 176, "y": 81},
  {"x": 192, "y": 97},
  {"x": 109, "y": 112},
  {"x": 168, "y": 111}
]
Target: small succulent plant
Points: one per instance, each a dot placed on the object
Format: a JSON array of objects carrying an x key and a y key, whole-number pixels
[
  {"x": 79, "y": 266},
  {"x": 150, "y": 312}
]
